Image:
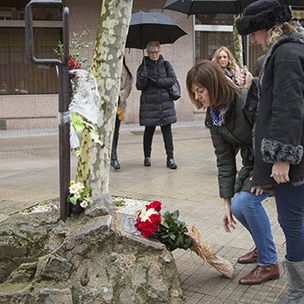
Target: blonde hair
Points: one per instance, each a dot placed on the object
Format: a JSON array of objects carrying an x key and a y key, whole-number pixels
[
  {"x": 232, "y": 65},
  {"x": 211, "y": 76},
  {"x": 152, "y": 44},
  {"x": 278, "y": 30}
]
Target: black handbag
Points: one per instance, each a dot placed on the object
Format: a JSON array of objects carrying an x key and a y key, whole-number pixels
[{"x": 175, "y": 91}]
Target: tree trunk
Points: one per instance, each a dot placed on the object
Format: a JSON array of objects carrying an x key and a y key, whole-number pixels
[
  {"x": 94, "y": 161},
  {"x": 237, "y": 44}
]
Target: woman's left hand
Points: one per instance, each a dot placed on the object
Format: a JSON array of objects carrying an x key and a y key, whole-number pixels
[{"x": 280, "y": 172}]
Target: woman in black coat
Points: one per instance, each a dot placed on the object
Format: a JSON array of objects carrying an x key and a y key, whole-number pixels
[
  {"x": 231, "y": 133},
  {"x": 279, "y": 136},
  {"x": 154, "y": 77}
]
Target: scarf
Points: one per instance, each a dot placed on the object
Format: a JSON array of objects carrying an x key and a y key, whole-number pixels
[{"x": 218, "y": 116}]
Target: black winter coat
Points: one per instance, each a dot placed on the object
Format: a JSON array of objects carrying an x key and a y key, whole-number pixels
[
  {"x": 228, "y": 139},
  {"x": 154, "y": 78},
  {"x": 279, "y": 128}
]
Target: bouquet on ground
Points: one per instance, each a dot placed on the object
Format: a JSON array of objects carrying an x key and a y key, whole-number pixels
[
  {"x": 173, "y": 233},
  {"x": 78, "y": 192}
]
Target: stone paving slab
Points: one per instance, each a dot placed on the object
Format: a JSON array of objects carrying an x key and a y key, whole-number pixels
[{"x": 29, "y": 173}]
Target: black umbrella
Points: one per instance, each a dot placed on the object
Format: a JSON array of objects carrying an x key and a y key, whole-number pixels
[
  {"x": 146, "y": 27},
  {"x": 191, "y": 7}
]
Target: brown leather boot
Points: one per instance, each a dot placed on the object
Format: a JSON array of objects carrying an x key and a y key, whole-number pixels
[
  {"x": 261, "y": 274},
  {"x": 249, "y": 257}
]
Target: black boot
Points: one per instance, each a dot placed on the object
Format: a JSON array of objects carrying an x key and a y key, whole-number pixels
[
  {"x": 168, "y": 141},
  {"x": 147, "y": 142},
  {"x": 171, "y": 164},
  {"x": 114, "y": 162},
  {"x": 147, "y": 162}
]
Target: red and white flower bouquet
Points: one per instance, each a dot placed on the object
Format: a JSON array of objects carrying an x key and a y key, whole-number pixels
[
  {"x": 148, "y": 219},
  {"x": 173, "y": 233}
]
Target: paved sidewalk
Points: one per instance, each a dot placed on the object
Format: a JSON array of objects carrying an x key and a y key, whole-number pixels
[{"x": 29, "y": 173}]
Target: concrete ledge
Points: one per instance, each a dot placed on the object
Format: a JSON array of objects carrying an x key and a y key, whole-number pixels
[{"x": 28, "y": 111}]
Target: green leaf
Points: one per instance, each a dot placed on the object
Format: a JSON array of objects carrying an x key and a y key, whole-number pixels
[
  {"x": 73, "y": 200},
  {"x": 175, "y": 214},
  {"x": 172, "y": 236},
  {"x": 85, "y": 191},
  {"x": 119, "y": 203}
]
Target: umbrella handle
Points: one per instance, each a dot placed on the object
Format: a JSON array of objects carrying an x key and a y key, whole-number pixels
[
  {"x": 144, "y": 61},
  {"x": 243, "y": 50}
]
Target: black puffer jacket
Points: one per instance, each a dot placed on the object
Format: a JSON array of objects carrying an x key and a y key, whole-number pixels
[
  {"x": 156, "y": 105},
  {"x": 233, "y": 136},
  {"x": 279, "y": 128}
]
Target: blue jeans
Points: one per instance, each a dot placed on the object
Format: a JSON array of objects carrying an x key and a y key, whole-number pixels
[
  {"x": 247, "y": 208},
  {"x": 290, "y": 206}
]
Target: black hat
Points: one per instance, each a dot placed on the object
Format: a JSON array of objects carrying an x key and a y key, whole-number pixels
[{"x": 262, "y": 14}]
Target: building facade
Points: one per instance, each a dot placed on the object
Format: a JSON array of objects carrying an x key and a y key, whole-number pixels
[{"x": 28, "y": 92}]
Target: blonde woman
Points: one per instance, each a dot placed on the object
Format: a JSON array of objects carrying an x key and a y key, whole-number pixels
[
  {"x": 226, "y": 61},
  {"x": 154, "y": 77},
  {"x": 279, "y": 133}
]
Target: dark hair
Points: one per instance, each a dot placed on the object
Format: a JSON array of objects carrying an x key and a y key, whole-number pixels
[{"x": 209, "y": 75}]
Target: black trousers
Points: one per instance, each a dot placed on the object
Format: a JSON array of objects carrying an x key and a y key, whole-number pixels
[
  {"x": 115, "y": 139},
  {"x": 167, "y": 137}
]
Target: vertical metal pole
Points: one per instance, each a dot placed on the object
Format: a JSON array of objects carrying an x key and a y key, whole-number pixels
[
  {"x": 63, "y": 93},
  {"x": 64, "y": 121}
]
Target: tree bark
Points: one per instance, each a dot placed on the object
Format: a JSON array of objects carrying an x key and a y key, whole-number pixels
[
  {"x": 94, "y": 160},
  {"x": 237, "y": 44}
]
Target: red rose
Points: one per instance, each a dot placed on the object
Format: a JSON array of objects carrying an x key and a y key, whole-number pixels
[
  {"x": 148, "y": 230},
  {"x": 74, "y": 65},
  {"x": 155, "y": 219},
  {"x": 155, "y": 205},
  {"x": 140, "y": 225}
]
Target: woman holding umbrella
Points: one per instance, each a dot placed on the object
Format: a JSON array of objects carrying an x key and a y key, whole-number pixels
[
  {"x": 279, "y": 132},
  {"x": 154, "y": 77}
]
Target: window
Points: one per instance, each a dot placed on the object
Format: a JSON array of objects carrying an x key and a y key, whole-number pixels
[{"x": 17, "y": 74}]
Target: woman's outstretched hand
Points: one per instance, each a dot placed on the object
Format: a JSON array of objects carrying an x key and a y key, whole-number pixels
[{"x": 227, "y": 219}]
